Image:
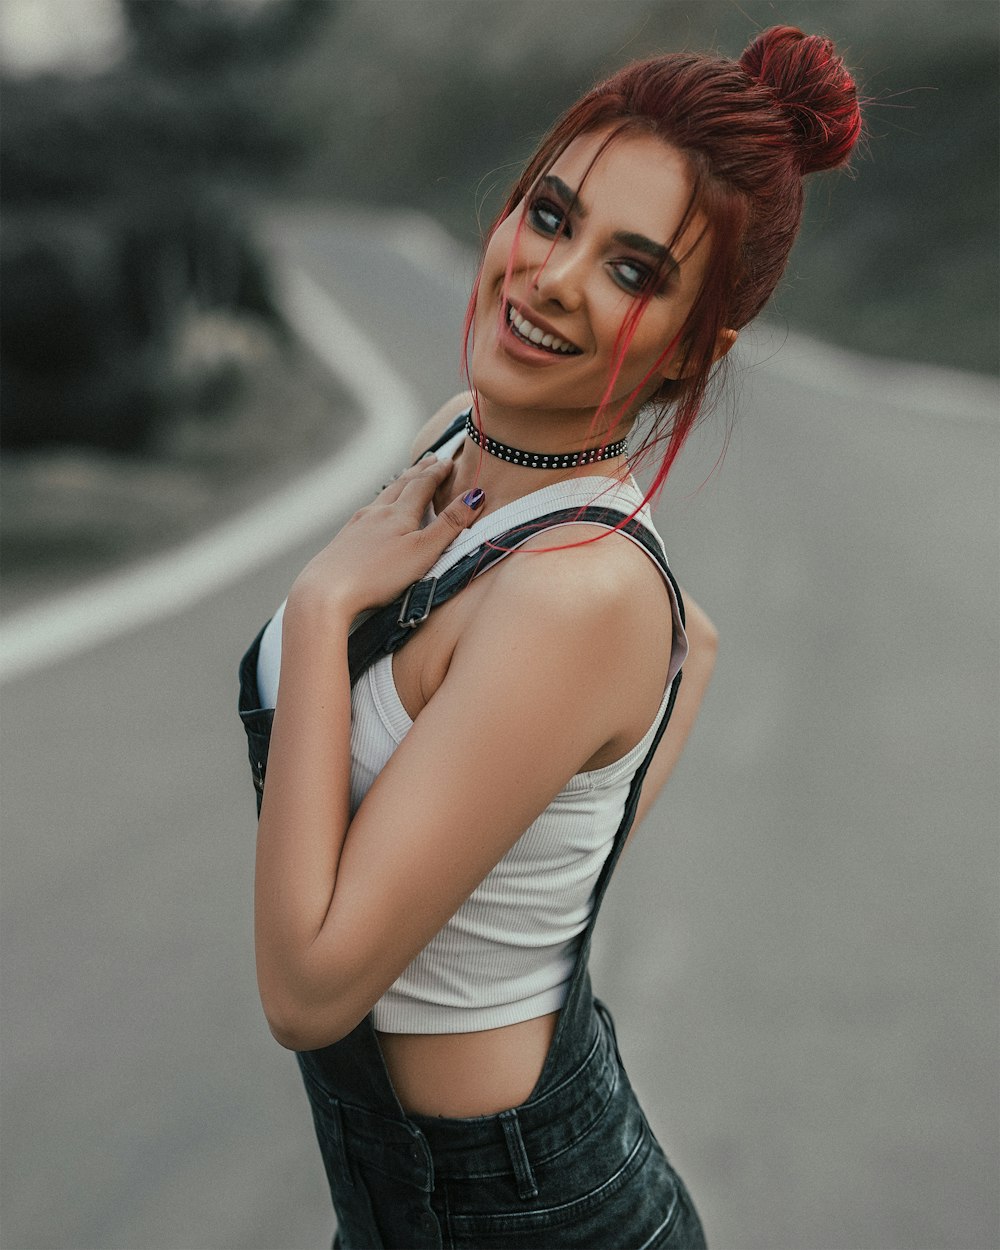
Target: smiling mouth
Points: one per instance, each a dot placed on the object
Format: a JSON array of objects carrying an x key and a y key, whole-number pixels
[{"x": 531, "y": 334}]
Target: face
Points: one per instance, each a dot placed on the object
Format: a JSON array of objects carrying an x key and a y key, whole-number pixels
[{"x": 548, "y": 343}]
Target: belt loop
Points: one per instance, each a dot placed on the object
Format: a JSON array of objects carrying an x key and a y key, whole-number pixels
[{"x": 527, "y": 1186}]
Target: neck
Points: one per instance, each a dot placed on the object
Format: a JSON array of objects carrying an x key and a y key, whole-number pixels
[
  {"x": 557, "y": 431},
  {"x": 546, "y": 433}
]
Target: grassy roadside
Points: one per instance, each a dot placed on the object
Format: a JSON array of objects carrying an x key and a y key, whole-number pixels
[{"x": 68, "y": 515}]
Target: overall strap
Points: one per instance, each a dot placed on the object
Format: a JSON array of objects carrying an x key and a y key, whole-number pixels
[
  {"x": 575, "y": 1018},
  {"x": 389, "y": 628},
  {"x": 631, "y": 803},
  {"x": 450, "y": 432}
]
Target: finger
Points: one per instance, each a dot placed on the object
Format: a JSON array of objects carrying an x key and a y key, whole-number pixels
[
  {"x": 422, "y": 469},
  {"x": 418, "y": 489},
  {"x": 458, "y": 516}
]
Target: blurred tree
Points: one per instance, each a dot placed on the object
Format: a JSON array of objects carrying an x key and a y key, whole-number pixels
[
  {"x": 176, "y": 36},
  {"x": 124, "y": 197}
]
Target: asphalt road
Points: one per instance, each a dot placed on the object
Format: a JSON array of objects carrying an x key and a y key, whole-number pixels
[{"x": 800, "y": 948}]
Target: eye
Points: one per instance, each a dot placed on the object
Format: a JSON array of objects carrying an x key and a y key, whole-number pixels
[
  {"x": 632, "y": 275},
  {"x": 546, "y": 217}
]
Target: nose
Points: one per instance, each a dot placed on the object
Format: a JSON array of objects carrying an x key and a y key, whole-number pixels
[{"x": 559, "y": 280}]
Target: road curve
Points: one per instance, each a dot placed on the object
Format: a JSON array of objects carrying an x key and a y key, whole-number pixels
[{"x": 800, "y": 947}]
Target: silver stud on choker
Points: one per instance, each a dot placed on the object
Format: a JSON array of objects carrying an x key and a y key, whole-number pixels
[{"x": 542, "y": 460}]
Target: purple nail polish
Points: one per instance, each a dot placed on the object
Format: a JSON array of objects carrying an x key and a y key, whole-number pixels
[{"x": 474, "y": 498}]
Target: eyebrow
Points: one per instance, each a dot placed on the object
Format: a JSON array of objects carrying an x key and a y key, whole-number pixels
[{"x": 626, "y": 238}]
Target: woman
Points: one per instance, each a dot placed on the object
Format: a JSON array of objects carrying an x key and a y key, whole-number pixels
[{"x": 435, "y": 838}]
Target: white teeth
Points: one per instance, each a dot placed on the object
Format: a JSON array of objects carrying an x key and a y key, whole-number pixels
[{"x": 539, "y": 337}]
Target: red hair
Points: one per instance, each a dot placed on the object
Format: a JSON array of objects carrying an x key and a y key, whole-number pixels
[{"x": 749, "y": 129}]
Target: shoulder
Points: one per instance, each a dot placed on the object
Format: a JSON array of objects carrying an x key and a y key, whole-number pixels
[
  {"x": 568, "y": 650},
  {"x": 440, "y": 421},
  {"x": 582, "y": 587},
  {"x": 585, "y": 559}
]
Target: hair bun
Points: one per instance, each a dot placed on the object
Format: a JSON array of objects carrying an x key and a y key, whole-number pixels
[{"x": 812, "y": 83}]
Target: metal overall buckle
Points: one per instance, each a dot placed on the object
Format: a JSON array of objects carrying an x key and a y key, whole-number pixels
[{"x": 407, "y": 613}]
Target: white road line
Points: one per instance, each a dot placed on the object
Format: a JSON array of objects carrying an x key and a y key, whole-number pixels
[
  {"x": 79, "y": 620},
  {"x": 160, "y": 587},
  {"x": 865, "y": 381}
]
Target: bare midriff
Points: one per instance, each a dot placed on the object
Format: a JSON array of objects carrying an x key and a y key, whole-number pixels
[{"x": 468, "y": 1074}]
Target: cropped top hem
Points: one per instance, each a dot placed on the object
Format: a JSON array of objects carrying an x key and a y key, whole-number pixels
[{"x": 402, "y": 1015}]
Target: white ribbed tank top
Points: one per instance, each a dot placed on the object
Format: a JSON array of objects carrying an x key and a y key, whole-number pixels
[{"x": 507, "y": 954}]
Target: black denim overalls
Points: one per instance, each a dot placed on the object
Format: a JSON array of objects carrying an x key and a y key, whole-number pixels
[{"x": 574, "y": 1165}]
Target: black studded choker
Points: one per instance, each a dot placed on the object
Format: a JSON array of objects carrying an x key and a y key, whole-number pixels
[{"x": 540, "y": 460}]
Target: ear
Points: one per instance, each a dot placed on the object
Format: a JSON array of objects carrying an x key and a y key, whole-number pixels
[{"x": 723, "y": 344}]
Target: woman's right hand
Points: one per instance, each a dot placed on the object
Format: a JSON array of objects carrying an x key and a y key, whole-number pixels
[{"x": 384, "y": 548}]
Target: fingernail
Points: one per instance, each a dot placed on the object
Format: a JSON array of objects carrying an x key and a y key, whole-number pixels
[{"x": 474, "y": 498}]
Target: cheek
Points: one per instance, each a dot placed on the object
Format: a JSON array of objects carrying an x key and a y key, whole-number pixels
[
  {"x": 512, "y": 245},
  {"x": 643, "y": 361},
  {"x": 499, "y": 247},
  {"x": 491, "y": 276},
  {"x": 656, "y": 334}
]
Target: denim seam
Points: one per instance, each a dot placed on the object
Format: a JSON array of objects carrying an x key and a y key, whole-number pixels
[
  {"x": 540, "y": 1157},
  {"x": 570, "y": 1079},
  {"x": 666, "y": 1226},
  {"x": 553, "y": 1216},
  {"x": 585, "y": 1131}
]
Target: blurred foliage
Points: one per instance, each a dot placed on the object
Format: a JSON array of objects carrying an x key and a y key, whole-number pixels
[
  {"x": 123, "y": 201},
  {"x": 125, "y": 194}
]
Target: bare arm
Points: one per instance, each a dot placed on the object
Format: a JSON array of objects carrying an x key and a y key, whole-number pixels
[
  {"x": 343, "y": 905},
  {"x": 703, "y": 640},
  {"x": 304, "y": 813}
]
